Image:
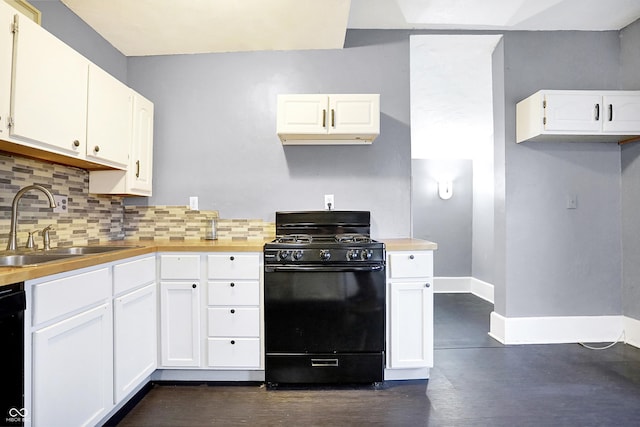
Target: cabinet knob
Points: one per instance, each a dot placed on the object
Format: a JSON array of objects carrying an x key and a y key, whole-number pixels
[
  {"x": 232, "y": 284},
  {"x": 427, "y": 285},
  {"x": 233, "y": 341},
  {"x": 411, "y": 256},
  {"x": 96, "y": 148},
  {"x": 193, "y": 286},
  {"x": 76, "y": 143},
  {"x": 232, "y": 258},
  {"x": 233, "y": 311}
]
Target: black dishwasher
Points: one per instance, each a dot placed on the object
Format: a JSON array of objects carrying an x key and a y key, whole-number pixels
[{"x": 12, "y": 306}]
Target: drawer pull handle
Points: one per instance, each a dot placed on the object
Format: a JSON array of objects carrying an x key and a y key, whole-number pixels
[
  {"x": 232, "y": 284},
  {"x": 193, "y": 286},
  {"x": 411, "y": 256},
  {"x": 232, "y": 311},
  {"x": 233, "y": 342},
  {"x": 323, "y": 363},
  {"x": 76, "y": 143},
  {"x": 232, "y": 258},
  {"x": 427, "y": 285}
]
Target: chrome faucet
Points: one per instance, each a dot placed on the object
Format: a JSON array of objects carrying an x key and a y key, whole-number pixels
[{"x": 13, "y": 235}]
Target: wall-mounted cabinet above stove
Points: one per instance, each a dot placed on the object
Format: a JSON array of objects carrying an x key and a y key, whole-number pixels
[
  {"x": 336, "y": 119},
  {"x": 578, "y": 115}
]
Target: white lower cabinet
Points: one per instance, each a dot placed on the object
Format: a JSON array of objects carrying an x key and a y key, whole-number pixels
[
  {"x": 72, "y": 351},
  {"x": 94, "y": 341},
  {"x": 180, "y": 324},
  {"x": 409, "y": 314}
]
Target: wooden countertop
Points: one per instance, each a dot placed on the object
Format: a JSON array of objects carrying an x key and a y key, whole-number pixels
[{"x": 132, "y": 248}]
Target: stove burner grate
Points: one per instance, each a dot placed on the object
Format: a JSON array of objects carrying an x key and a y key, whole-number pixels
[
  {"x": 352, "y": 238},
  {"x": 295, "y": 238}
]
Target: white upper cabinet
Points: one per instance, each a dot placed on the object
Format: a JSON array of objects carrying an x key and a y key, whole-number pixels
[
  {"x": 328, "y": 119},
  {"x": 137, "y": 179},
  {"x": 109, "y": 120},
  {"x": 49, "y": 93},
  {"x": 6, "y": 49},
  {"x": 578, "y": 116}
]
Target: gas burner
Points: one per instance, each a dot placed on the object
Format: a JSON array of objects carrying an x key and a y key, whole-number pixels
[
  {"x": 352, "y": 238},
  {"x": 295, "y": 238}
]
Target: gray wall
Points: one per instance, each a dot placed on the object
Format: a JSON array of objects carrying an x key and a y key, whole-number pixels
[
  {"x": 215, "y": 133},
  {"x": 630, "y": 64},
  {"x": 560, "y": 262},
  {"x": 447, "y": 222}
]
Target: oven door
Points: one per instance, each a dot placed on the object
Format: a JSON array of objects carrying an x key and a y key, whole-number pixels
[{"x": 324, "y": 309}]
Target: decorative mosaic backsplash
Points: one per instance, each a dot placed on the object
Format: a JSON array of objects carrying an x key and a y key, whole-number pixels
[
  {"x": 90, "y": 218},
  {"x": 180, "y": 223},
  {"x": 93, "y": 219}
]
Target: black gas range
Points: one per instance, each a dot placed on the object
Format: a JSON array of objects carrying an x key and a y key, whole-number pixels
[{"x": 324, "y": 299}]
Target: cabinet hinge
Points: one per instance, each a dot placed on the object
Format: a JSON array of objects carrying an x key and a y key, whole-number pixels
[
  {"x": 9, "y": 121},
  {"x": 15, "y": 26},
  {"x": 544, "y": 120},
  {"x": 544, "y": 104}
]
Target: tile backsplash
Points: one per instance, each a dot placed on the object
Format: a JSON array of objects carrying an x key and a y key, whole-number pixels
[
  {"x": 89, "y": 219},
  {"x": 92, "y": 219}
]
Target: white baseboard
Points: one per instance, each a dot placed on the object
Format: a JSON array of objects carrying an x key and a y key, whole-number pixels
[
  {"x": 556, "y": 330},
  {"x": 449, "y": 285},
  {"x": 632, "y": 331}
]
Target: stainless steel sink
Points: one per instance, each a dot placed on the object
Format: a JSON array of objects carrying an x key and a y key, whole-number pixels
[
  {"x": 87, "y": 250},
  {"x": 31, "y": 259}
]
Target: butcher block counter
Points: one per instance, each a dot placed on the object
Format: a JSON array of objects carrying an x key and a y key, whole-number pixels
[{"x": 132, "y": 248}]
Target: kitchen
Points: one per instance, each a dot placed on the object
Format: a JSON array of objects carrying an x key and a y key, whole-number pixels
[{"x": 236, "y": 165}]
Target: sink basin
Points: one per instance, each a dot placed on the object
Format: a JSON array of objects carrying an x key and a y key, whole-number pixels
[
  {"x": 30, "y": 260},
  {"x": 87, "y": 250}
]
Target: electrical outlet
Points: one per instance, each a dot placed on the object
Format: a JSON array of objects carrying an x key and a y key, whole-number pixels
[
  {"x": 193, "y": 203},
  {"x": 62, "y": 203},
  {"x": 328, "y": 202}
]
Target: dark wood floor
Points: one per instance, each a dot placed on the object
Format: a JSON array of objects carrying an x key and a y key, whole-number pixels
[{"x": 475, "y": 382}]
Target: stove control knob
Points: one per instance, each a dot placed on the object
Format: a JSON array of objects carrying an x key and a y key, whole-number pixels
[
  {"x": 325, "y": 255},
  {"x": 297, "y": 255},
  {"x": 367, "y": 254},
  {"x": 283, "y": 254},
  {"x": 353, "y": 254}
]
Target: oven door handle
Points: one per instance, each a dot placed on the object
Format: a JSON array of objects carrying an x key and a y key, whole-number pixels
[{"x": 337, "y": 268}]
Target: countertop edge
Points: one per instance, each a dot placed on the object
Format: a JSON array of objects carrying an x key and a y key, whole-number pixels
[{"x": 9, "y": 275}]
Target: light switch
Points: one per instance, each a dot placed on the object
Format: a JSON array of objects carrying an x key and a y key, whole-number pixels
[{"x": 572, "y": 201}]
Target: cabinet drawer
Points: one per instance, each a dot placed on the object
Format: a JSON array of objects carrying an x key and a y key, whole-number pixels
[
  {"x": 234, "y": 266},
  {"x": 410, "y": 264},
  {"x": 58, "y": 297},
  {"x": 179, "y": 267},
  {"x": 130, "y": 275},
  {"x": 234, "y": 322},
  {"x": 234, "y": 293},
  {"x": 234, "y": 353}
]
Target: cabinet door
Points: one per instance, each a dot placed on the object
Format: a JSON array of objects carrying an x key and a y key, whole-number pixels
[
  {"x": 621, "y": 113},
  {"x": 141, "y": 168},
  {"x": 49, "y": 93},
  {"x": 6, "y": 49},
  {"x": 573, "y": 112},
  {"x": 135, "y": 343},
  {"x": 109, "y": 119},
  {"x": 180, "y": 324},
  {"x": 411, "y": 324},
  {"x": 302, "y": 114},
  {"x": 354, "y": 114},
  {"x": 73, "y": 370}
]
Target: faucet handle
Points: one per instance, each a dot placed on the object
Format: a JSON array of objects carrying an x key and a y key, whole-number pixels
[{"x": 46, "y": 240}]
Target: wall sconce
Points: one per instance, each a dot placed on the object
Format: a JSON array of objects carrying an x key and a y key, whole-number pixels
[{"x": 445, "y": 189}]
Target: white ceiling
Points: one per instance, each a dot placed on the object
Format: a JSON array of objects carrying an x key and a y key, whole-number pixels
[{"x": 160, "y": 27}]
